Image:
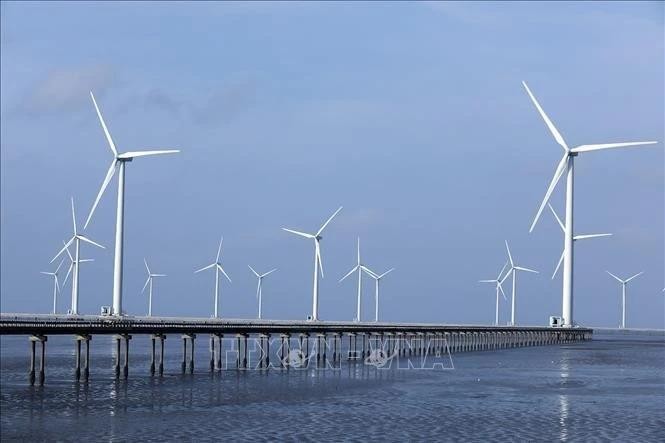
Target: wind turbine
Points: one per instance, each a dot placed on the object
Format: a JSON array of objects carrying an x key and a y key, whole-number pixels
[
  {"x": 318, "y": 266},
  {"x": 56, "y": 284},
  {"x": 71, "y": 263},
  {"x": 497, "y": 281},
  {"x": 575, "y": 238},
  {"x": 377, "y": 278},
  {"x": 118, "y": 162},
  {"x": 623, "y": 294},
  {"x": 358, "y": 267},
  {"x": 258, "y": 288},
  {"x": 566, "y": 165},
  {"x": 76, "y": 239},
  {"x": 149, "y": 281},
  {"x": 218, "y": 267},
  {"x": 513, "y": 270}
]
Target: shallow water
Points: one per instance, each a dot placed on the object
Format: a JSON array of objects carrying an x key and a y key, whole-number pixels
[{"x": 612, "y": 388}]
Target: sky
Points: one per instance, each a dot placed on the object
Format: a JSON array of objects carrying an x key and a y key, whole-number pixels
[{"x": 410, "y": 115}]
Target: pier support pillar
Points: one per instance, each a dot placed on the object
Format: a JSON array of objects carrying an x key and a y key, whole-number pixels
[
  {"x": 42, "y": 363},
  {"x": 191, "y": 338},
  {"x": 152, "y": 355},
  {"x": 212, "y": 353},
  {"x": 125, "y": 369},
  {"x": 116, "y": 367}
]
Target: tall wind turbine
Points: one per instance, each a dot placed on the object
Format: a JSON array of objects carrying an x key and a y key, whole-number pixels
[
  {"x": 623, "y": 295},
  {"x": 358, "y": 267},
  {"x": 258, "y": 288},
  {"x": 377, "y": 278},
  {"x": 76, "y": 240},
  {"x": 513, "y": 270},
  {"x": 149, "y": 282},
  {"x": 497, "y": 281},
  {"x": 56, "y": 284},
  {"x": 118, "y": 162},
  {"x": 566, "y": 165},
  {"x": 575, "y": 238},
  {"x": 72, "y": 262},
  {"x": 318, "y": 266},
  {"x": 218, "y": 267}
]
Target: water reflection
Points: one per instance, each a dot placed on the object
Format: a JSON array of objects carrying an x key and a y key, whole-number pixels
[{"x": 564, "y": 369}]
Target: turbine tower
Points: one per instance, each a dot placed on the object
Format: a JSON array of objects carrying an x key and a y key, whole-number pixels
[
  {"x": 118, "y": 163},
  {"x": 497, "y": 281},
  {"x": 56, "y": 284},
  {"x": 623, "y": 295},
  {"x": 358, "y": 267},
  {"x": 575, "y": 238},
  {"x": 149, "y": 281},
  {"x": 76, "y": 239},
  {"x": 318, "y": 266},
  {"x": 566, "y": 165},
  {"x": 258, "y": 288},
  {"x": 218, "y": 267},
  {"x": 377, "y": 278},
  {"x": 513, "y": 270}
]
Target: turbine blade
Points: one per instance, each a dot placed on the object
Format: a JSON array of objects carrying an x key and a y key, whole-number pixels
[
  {"x": 506, "y": 276},
  {"x": 269, "y": 272},
  {"x": 501, "y": 289},
  {"x": 557, "y": 136},
  {"x": 158, "y": 275},
  {"x": 299, "y": 233},
  {"x": 583, "y": 236},
  {"x": 219, "y": 249},
  {"x": 520, "y": 268},
  {"x": 255, "y": 273},
  {"x": 629, "y": 279},
  {"x": 146, "y": 265},
  {"x": 558, "y": 265},
  {"x": 587, "y": 148},
  {"x": 145, "y": 285},
  {"x": 206, "y": 267},
  {"x": 106, "y": 131},
  {"x": 58, "y": 268},
  {"x": 369, "y": 272},
  {"x": 63, "y": 249},
  {"x": 134, "y": 154},
  {"x": 73, "y": 216},
  {"x": 71, "y": 265},
  {"x": 386, "y": 273},
  {"x": 105, "y": 183},
  {"x": 68, "y": 253},
  {"x": 617, "y": 278},
  {"x": 510, "y": 257},
  {"x": 358, "y": 250},
  {"x": 557, "y": 175},
  {"x": 328, "y": 221},
  {"x": 85, "y": 260},
  {"x": 224, "y": 272},
  {"x": 87, "y": 240},
  {"x": 355, "y": 268},
  {"x": 487, "y": 281},
  {"x": 563, "y": 228},
  {"x": 498, "y": 277},
  {"x": 46, "y": 273}
]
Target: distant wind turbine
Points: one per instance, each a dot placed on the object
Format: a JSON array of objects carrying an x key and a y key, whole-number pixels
[
  {"x": 318, "y": 266},
  {"x": 258, "y": 288},
  {"x": 72, "y": 262},
  {"x": 76, "y": 240},
  {"x": 575, "y": 238},
  {"x": 566, "y": 165},
  {"x": 218, "y": 268},
  {"x": 359, "y": 268},
  {"x": 149, "y": 282},
  {"x": 118, "y": 162},
  {"x": 623, "y": 295},
  {"x": 497, "y": 281},
  {"x": 56, "y": 285},
  {"x": 513, "y": 270},
  {"x": 377, "y": 278}
]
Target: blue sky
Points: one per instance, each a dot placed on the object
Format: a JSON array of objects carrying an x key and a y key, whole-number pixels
[{"x": 412, "y": 116}]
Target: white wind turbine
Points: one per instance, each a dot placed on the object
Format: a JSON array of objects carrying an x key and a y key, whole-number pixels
[
  {"x": 497, "y": 281},
  {"x": 377, "y": 278},
  {"x": 71, "y": 263},
  {"x": 318, "y": 266},
  {"x": 513, "y": 270},
  {"x": 623, "y": 295},
  {"x": 218, "y": 267},
  {"x": 566, "y": 165},
  {"x": 258, "y": 288},
  {"x": 358, "y": 267},
  {"x": 575, "y": 238},
  {"x": 76, "y": 240},
  {"x": 56, "y": 284},
  {"x": 118, "y": 162},
  {"x": 149, "y": 282}
]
